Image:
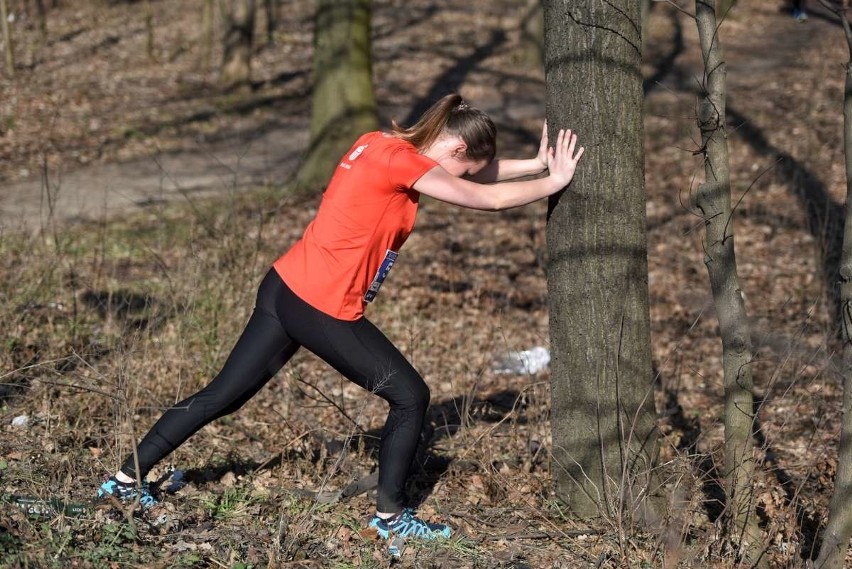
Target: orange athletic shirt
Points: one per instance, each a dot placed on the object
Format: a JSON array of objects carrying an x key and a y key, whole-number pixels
[{"x": 366, "y": 214}]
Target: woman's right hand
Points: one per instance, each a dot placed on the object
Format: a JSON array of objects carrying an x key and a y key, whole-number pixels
[{"x": 562, "y": 159}]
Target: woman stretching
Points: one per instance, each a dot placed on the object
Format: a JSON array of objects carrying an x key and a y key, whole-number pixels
[{"x": 315, "y": 294}]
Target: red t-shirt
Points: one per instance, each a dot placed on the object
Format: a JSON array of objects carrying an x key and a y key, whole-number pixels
[{"x": 366, "y": 214}]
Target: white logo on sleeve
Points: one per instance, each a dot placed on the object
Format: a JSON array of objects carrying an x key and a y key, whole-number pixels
[{"x": 357, "y": 152}]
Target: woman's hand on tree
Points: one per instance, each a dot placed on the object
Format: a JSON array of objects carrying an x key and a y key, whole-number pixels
[{"x": 562, "y": 159}]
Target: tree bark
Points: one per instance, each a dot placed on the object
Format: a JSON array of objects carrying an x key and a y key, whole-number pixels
[
  {"x": 713, "y": 199},
  {"x": 7, "y": 40},
  {"x": 604, "y": 433},
  {"x": 835, "y": 539},
  {"x": 239, "y": 38},
  {"x": 343, "y": 103}
]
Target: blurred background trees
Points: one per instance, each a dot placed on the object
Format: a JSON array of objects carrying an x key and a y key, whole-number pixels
[
  {"x": 238, "y": 40},
  {"x": 343, "y": 105}
]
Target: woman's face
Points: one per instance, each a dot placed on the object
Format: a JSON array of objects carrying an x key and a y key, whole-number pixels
[
  {"x": 449, "y": 152},
  {"x": 461, "y": 166}
]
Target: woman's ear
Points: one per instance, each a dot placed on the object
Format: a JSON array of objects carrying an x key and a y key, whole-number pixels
[{"x": 460, "y": 150}]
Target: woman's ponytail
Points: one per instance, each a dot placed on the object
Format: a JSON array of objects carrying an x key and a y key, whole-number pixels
[{"x": 453, "y": 115}]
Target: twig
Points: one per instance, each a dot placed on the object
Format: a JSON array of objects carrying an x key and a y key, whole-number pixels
[
  {"x": 80, "y": 387},
  {"x": 332, "y": 403},
  {"x": 677, "y": 7}
]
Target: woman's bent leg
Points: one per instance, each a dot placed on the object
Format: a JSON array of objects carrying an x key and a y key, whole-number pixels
[{"x": 366, "y": 357}]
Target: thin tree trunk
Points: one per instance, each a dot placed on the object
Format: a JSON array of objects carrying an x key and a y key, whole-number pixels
[
  {"x": 603, "y": 420},
  {"x": 835, "y": 539},
  {"x": 7, "y": 39},
  {"x": 713, "y": 199}
]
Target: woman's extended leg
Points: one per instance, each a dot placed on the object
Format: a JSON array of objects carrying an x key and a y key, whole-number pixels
[{"x": 263, "y": 348}]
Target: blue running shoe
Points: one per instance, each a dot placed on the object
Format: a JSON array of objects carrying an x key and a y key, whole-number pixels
[
  {"x": 127, "y": 492},
  {"x": 406, "y": 524}
]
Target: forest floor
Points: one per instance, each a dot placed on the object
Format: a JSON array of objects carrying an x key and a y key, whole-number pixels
[{"x": 139, "y": 212}]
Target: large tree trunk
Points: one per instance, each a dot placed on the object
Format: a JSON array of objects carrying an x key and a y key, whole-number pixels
[
  {"x": 239, "y": 37},
  {"x": 835, "y": 540},
  {"x": 7, "y": 39},
  {"x": 603, "y": 420},
  {"x": 344, "y": 105},
  {"x": 713, "y": 199}
]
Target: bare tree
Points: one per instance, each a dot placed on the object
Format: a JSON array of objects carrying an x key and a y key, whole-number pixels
[
  {"x": 835, "y": 540},
  {"x": 343, "y": 103},
  {"x": 7, "y": 39},
  {"x": 239, "y": 18},
  {"x": 603, "y": 419},
  {"x": 713, "y": 200}
]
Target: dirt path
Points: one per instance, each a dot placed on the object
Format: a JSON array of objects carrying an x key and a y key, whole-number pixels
[{"x": 104, "y": 190}]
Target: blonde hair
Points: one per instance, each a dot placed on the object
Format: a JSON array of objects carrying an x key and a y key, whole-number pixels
[{"x": 453, "y": 116}]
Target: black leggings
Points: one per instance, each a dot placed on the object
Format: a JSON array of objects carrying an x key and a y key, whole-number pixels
[{"x": 280, "y": 324}]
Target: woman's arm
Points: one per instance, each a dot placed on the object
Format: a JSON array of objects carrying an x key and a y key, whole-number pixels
[
  {"x": 562, "y": 161},
  {"x": 500, "y": 170}
]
